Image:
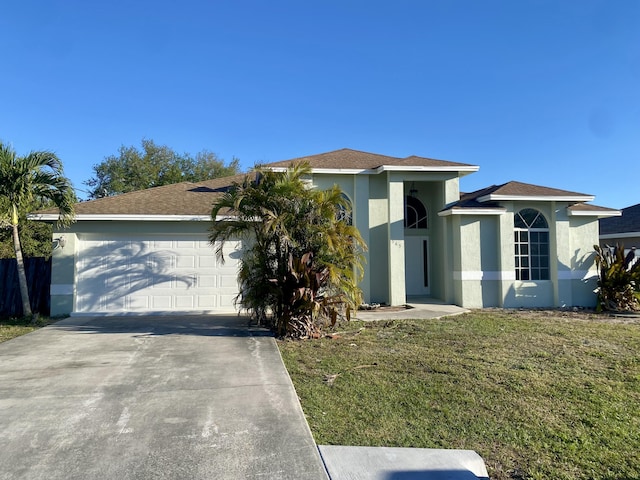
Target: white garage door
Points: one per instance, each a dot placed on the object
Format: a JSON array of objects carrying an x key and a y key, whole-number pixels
[{"x": 154, "y": 274}]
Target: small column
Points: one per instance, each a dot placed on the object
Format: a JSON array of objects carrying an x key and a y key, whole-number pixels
[
  {"x": 63, "y": 271},
  {"x": 397, "y": 289},
  {"x": 361, "y": 222}
]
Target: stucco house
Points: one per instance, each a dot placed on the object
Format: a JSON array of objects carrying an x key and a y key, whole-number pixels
[{"x": 510, "y": 245}]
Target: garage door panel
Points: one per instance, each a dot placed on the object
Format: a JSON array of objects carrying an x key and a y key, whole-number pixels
[
  {"x": 147, "y": 273},
  {"x": 206, "y": 262},
  {"x": 184, "y": 302},
  {"x": 185, "y": 261},
  {"x": 228, "y": 281},
  {"x": 161, "y": 302},
  {"x": 207, "y": 301},
  {"x": 207, "y": 281},
  {"x": 137, "y": 302}
]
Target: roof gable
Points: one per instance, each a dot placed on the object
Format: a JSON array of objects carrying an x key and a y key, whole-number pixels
[
  {"x": 486, "y": 200},
  {"x": 526, "y": 191},
  {"x": 347, "y": 159}
]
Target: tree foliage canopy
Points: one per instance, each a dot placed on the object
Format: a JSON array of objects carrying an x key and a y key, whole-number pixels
[
  {"x": 304, "y": 261},
  {"x": 155, "y": 165}
]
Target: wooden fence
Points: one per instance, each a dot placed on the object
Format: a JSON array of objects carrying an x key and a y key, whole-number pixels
[{"x": 38, "y": 279}]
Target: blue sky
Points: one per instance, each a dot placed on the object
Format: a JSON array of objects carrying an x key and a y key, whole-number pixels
[{"x": 543, "y": 92}]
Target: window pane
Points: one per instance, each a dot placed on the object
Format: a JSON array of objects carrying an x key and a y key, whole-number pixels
[
  {"x": 528, "y": 215},
  {"x": 535, "y": 262},
  {"x": 540, "y": 222},
  {"x": 524, "y": 261},
  {"x": 544, "y": 237},
  {"x": 544, "y": 274},
  {"x": 415, "y": 213},
  {"x": 524, "y": 249},
  {"x": 524, "y": 275}
]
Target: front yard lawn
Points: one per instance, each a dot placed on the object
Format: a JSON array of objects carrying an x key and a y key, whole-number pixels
[
  {"x": 14, "y": 327},
  {"x": 539, "y": 395}
]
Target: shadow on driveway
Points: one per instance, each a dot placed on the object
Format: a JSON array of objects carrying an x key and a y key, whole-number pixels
[{"x": 199, "y": 325}]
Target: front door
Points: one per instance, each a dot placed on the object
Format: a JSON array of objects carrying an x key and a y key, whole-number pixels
[{"x": 416, "y": 265}]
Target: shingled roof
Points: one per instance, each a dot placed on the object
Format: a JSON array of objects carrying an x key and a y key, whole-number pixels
[
  {"x": 357, "y": 160},
  {"x": 486, "y": 199},
  {"x": 629, "y": 222},
  {"x": 196, "y": 199},
  {"x": 182, "y": 199},
  {"x": 519, "y": 189}
]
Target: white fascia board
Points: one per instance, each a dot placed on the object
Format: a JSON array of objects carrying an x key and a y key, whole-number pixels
[
  {"x": 619, "y": 235},
  {"x": 338, "y": 171},
  {"x": 594, "y": 213},
  {"x": 472, "y": 211},
  {"x": 452, "y": 168},
  {"x": 536, "y": 198},
  {"x": 386, "y": 168},
  {"x": 49, "y": 217}
]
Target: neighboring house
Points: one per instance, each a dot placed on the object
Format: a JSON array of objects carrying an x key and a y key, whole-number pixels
[
  {"x": 622, "y": 230},
  {"x": 511, "y": 245}
]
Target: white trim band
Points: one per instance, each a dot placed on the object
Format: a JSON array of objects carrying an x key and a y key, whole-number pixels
[
  {"x": 125, "y": 217},
  {"x": 537, "y": 198},
  {"x": 472, "y": 211},
  {"x": 478, "y": 275},
  {"x": 62, "y": 289},
  {"x": 620, "y": 235},
  {"x": 594, "y": 213}
]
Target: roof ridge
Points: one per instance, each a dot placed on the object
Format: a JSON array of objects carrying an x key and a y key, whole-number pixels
[{"x": 107, "y": 197}]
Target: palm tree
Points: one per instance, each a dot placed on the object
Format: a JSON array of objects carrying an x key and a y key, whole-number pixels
[
  {"x": 24, "y": 179},
  {"x": 304, "y": 261}
]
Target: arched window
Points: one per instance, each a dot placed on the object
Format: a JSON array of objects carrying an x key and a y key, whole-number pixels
[
  {"x": 345, "y": 211},
  {"x": 415, "y": 213},
  {"x": 532, "y": 245}
]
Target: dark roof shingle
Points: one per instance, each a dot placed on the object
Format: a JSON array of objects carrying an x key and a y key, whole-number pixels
[
  {"x": 355, "y": 159},
  {"x": 627, "y": 223}
]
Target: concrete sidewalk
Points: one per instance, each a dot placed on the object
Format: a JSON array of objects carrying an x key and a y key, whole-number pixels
[
  {"x": 417, "y": 307},
  {"x": 196, "y": 397},
  {"x": 383, "y": 463}
]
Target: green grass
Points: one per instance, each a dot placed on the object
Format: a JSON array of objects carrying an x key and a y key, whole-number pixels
[
  {"x": 539, "y": 396},
  {"x": 14, "y": 327}
]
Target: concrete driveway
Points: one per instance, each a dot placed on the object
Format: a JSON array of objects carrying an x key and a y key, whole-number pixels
[{"x": 193, "y": 397}]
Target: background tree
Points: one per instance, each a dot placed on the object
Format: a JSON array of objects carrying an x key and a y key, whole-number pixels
[
  {"x": 35, "y": 237},
  {"x": 38, "y": 176},
  {"x": 133, "y": 169},
  {"x": 304, "y": 261}
]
